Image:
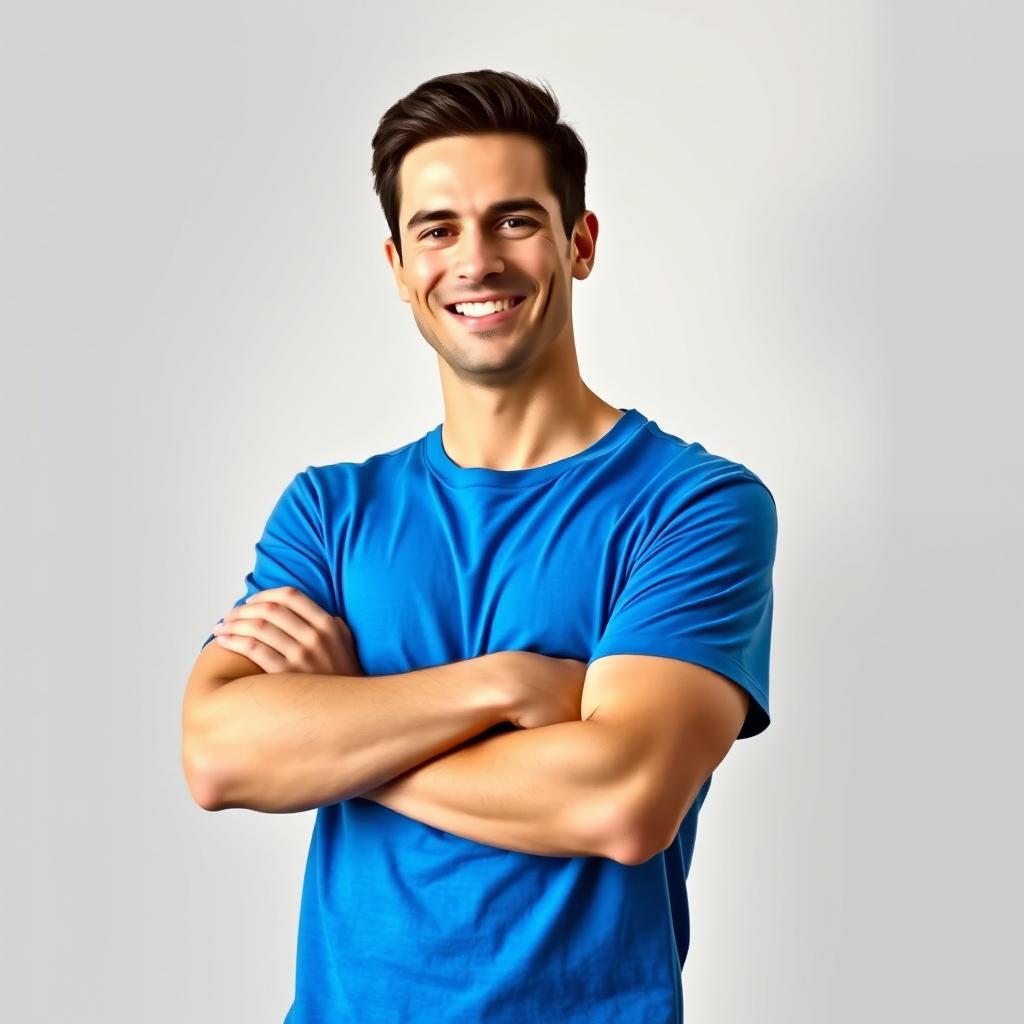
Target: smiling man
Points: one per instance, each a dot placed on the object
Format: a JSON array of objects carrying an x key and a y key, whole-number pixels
[{"x": 501, "y": 661}]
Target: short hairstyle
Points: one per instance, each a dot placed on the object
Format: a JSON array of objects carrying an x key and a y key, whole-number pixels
[{"x": 475, "y": 102}]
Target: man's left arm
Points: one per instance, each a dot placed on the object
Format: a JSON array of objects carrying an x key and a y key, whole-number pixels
[{"x": 615, "y": 784}]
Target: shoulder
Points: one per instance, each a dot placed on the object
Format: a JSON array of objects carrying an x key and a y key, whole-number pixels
[
  {"x": 690, "y": 477},
  {"x": 336, "y": 485}
]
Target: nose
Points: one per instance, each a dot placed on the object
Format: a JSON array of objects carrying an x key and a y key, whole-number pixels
[{"x": 477, "y": 255}]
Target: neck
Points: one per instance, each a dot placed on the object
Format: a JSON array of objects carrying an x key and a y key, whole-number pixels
[{"x": 519, "y": 429}]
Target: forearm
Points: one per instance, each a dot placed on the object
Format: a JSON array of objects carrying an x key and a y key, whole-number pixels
[
  {"x": 560, "y": 790},
  {"x": 292, "y": 741}
]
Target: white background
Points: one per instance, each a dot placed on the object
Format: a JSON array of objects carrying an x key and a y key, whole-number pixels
[{"x": 809, "y": 261}]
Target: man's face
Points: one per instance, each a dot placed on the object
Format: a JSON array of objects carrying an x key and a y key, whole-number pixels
[{"x": 462, "y": 246}]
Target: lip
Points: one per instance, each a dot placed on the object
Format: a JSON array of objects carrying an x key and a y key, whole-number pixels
[{"x": 477, "y": 323}]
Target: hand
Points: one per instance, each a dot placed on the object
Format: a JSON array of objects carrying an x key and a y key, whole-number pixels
[
  {"x": 282, "y": 630},
  {"x": 544, "y": 690}
]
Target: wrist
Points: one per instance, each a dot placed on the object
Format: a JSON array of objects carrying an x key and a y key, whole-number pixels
[{"x": 500, "y": 690}]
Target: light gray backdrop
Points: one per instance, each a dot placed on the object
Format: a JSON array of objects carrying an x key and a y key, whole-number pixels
[{"x": 809, "y": 261}]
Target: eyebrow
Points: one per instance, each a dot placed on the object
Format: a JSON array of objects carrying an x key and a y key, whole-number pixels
[{"x": 504, "y": 206}]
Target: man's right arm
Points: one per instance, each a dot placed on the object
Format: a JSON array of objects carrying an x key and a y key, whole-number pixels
[{"x": 292, "y": 741}]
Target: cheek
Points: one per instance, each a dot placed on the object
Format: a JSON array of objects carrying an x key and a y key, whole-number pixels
[
  {"x": 423, "y": 277},
  {"x": 540, "y": 261}
]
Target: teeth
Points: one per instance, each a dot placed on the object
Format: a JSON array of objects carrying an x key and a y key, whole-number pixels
[{"x": 483, "y": 308}]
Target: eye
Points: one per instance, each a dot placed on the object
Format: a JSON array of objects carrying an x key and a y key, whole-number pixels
[
  {"x": 431, "y": 233},
  {"x": 526, "y": 220}
]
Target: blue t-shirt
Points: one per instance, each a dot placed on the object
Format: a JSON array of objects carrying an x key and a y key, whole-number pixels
[{"x": 640, "y": 544}]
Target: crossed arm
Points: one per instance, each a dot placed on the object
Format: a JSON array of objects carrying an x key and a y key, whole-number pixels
[
  {"x": 616, "y": 784},
  {"x": 560, "y": 790}
]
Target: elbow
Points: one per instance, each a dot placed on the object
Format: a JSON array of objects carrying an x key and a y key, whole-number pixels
[
  {"x": 634, "y": 847},
  {"x": 626, "y": 836},
  {"x": 202, "y": 778},
  {"x": 212, "y": 764},
  {"x": 637, "y": 831},
  {"x": 633, "y": 822},
  {"x": 649, "y": 826}
]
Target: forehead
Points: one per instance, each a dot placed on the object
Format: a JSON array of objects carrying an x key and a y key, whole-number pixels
[{"x": 467, "y": 172}]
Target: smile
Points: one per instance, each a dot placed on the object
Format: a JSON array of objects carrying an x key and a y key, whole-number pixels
[{"x": 484, "y": 314}]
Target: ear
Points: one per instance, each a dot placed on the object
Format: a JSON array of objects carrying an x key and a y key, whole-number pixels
[
  {"x": 583, "y": 245},
  {"x": 396, "y": 267}
]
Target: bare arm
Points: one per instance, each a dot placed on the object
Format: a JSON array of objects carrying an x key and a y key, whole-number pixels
[
  {"x": 291, "y": 741},
  {"x": 618, "y": 783},
  {"x": 564, "y": 790}
]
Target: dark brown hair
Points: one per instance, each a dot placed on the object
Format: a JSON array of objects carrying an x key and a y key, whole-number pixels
[{"x": 473, "y": 102}]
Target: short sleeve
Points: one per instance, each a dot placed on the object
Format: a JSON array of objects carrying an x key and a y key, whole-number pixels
[
  {"x": 292, "y": 549},
  {"x": 701, "y": 590}
]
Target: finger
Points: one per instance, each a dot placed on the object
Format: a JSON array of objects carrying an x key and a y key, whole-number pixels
[
  {"x": 318, "y": 634},
  {"x": 259, "y": 628},
  {"x": 294, "y": 599},
  {"x": 277, "y": 614},
  {"x": 258, "y": 653}
]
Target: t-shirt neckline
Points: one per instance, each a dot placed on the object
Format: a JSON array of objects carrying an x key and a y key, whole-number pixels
[{"x": 452, "y": 473}]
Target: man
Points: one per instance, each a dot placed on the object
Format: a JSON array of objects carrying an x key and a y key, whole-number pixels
[{"x": 503, "y": 660}]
